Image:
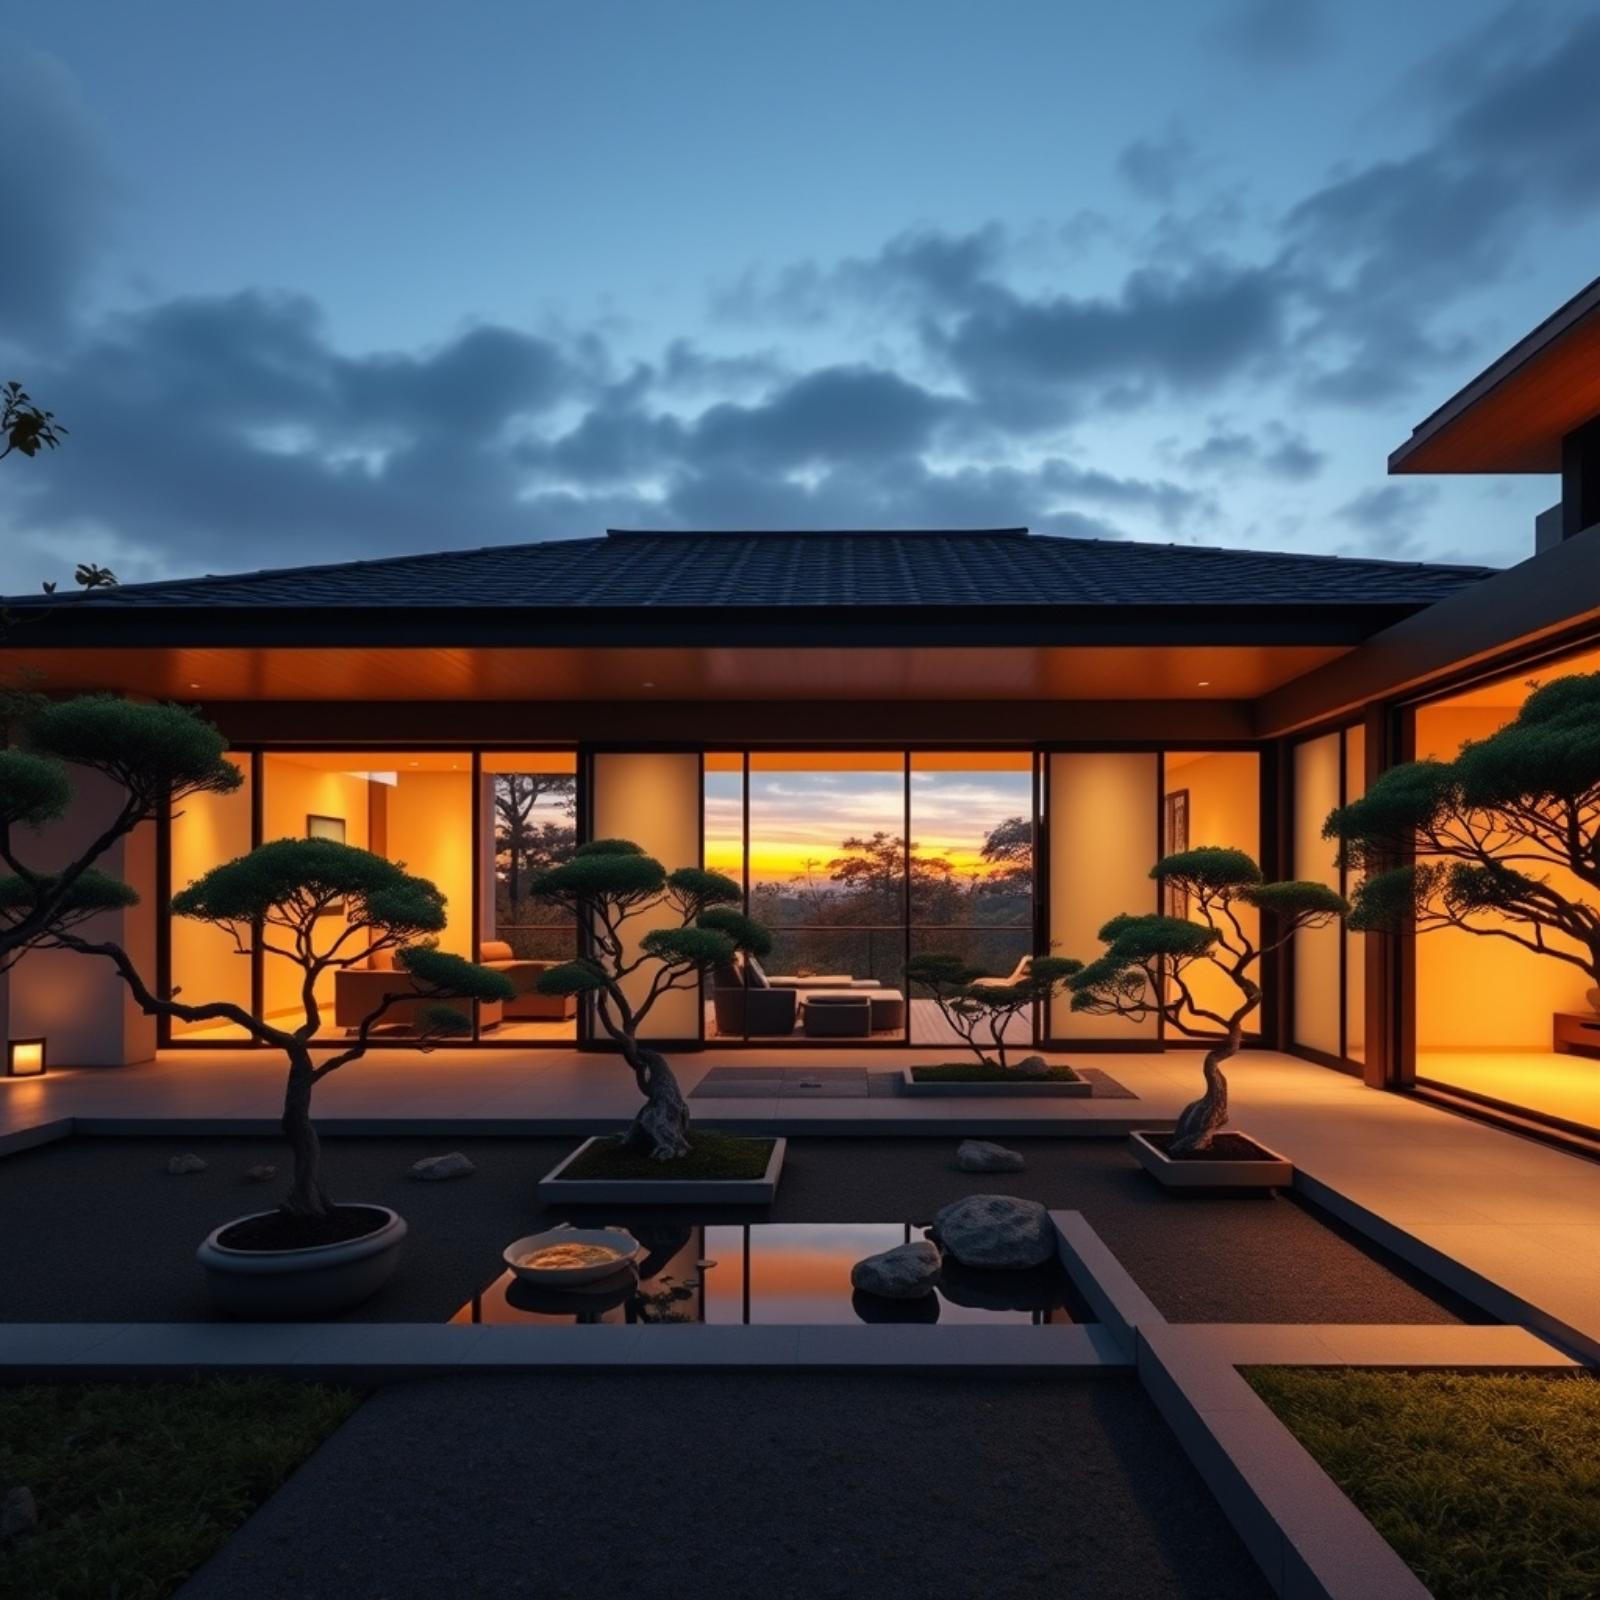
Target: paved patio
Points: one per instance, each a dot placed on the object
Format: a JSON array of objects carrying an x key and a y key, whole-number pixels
[{"x": 1514, "y": 1223}]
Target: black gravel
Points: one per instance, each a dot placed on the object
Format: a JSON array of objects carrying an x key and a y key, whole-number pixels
[
  {"x": 96, "y": 1230},
  {"x": 732, "y": 1486}
]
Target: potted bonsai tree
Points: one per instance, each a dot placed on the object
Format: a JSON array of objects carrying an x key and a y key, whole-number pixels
[
  {"x": 689, "y": 926},
  {"x": 312, "y": 1255},
  {"x": 979, "y": 1010},
  {"x": 1147, "y": 969},
  {"x": 1502, "y": 842}
]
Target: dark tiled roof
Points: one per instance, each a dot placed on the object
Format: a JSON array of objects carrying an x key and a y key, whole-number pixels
[{"x": 1006, "y": 567}]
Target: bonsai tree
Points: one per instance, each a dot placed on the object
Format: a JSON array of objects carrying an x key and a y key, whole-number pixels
[
  {"x": 971, "y": 1005},
  {"x": 1147, "y": 965},
  {"x": 156, "y": 755},
  {"x": 1502, "y": 842},
  {"x": 692, "y": 927},
  {"x": 283, "y": 894}
]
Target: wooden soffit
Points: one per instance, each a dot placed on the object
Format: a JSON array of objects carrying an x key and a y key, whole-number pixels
[
  {"x": 214, "y": 674},
  {"x": 1513, "y": 416}
]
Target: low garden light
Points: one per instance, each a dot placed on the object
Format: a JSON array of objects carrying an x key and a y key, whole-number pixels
[{"x": 25, "y": 1058}]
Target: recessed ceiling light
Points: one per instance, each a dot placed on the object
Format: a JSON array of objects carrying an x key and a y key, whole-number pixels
[
  {"x": 194, "y": 685},
  {"x": 1205, "y": 683},
  {"x": 647, "y": 684}
]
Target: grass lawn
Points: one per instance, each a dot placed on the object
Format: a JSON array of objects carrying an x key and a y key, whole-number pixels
[
  {"x": 711, "y": 1155},
  {"x": 1487, "y": 1484},
  {"x": 137, "y": 1483},
  {"x": 986, "y": 1072}
]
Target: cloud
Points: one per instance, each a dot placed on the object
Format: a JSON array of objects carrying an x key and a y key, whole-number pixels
[
  {"x": 1155, "y": 168},
  {"x": 1388, "y": 518},
  {"x": 1272, "y": 32},
  {"x": 56, "y": 192},
  {"x": 1275, "y": 453}
]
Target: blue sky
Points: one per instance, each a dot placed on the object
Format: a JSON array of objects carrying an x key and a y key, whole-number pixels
[{"x": 318, "y": 282}]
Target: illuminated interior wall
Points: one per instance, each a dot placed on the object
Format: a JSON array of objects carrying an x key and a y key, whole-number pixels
[
  {"x": 208, "y": 830},
  {"x": 429, "y": 825},
  {"x": 1317, "y": 998},
  {"x": 76, "y": 1003},
  {"x": 1104, "y": 838},
  {"x": 1355, "y": 953},
  {"x": 292, "y": 790},
  {"x": 654, "y": 799},
  {"x": 1224, "y": 790},
  {"x": 1474, "y": 992}
]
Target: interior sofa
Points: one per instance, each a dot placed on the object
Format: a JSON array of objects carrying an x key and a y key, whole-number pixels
[
  {"x": 528, "y": 1005},
  {"x": 359, "y": 991},
  {"x": 754, "y": 1008}
]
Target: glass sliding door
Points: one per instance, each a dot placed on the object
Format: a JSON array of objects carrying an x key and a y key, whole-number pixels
[
  {"x": 527, "y": 822},
  {"x": 827, "y": 874},
  {"x": 971, "y": 872}
]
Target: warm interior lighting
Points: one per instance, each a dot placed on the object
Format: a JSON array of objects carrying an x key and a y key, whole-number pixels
[{"x": 25, "y": 1058}]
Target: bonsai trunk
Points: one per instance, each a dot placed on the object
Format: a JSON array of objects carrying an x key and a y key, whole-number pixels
[
  {"x": 661, "y": 1129},
  {"x": 305, "y": 1197},
  {"x": 1199, "y": 1121}
]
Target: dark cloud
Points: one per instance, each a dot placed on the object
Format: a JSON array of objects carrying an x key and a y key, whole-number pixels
[
  {"x": 1383, "y": 251},
  {"x": 1166, "y": 331},
  {"x": 1387, "y": 517},
  {"x": 1156, "y": 168},
  {"x": 1272, "y": 32},
  {"x": 1275, "y": 453},
  {"x": 56, "y": 192}
]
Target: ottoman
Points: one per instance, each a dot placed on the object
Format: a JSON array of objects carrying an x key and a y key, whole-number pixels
[{"x": 836, "y": 1016}]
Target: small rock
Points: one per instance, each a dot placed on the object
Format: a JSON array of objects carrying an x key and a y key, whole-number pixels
[
  {"x": 18, "y": 1513},
  {"x": 1032, "y": 1067},
  {"x": 262, "y": 1174},
  {"x": 179, "y": 1165},
  {"x": 978, "y": 1155},
  {"x": 454, "y": 1165},
  {"x": 904, "y": 1273},
  {"x": 996, "y": 1230}
]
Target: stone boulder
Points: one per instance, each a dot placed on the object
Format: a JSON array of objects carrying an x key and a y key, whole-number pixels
[
  {"x": 996, "y": 1230},
  {"x": 1032, "y": 1067},
  {"x": 904, "y": 1273},
  {"x": 436, "y": 1168},
  {"x": 978, "y": 1155},
  {"x": 179, "y": 1166}
]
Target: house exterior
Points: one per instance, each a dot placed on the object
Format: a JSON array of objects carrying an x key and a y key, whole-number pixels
[{"x": 1090, "y": 704}]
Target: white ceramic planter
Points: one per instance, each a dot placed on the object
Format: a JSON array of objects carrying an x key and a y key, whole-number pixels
[
  {"x": 554, "y": 1189},
  {"x": 311, "y": 1282},
  {"x": 1271, "y": 1172},
  {"x": 1021, "y": 1089}
]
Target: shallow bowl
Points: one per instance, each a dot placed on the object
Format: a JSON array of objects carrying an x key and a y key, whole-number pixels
[{"x": 626, "y": 1246}]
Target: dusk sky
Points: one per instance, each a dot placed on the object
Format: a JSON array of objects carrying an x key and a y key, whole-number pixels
[{"x": 315, "y": 282}]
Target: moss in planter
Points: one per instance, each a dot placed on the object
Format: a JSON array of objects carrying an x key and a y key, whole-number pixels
[
  {"x": 711, "y": 1155},
  {"x": 1487, "y": 1484},
  {"x": 986, "y": 1072}
]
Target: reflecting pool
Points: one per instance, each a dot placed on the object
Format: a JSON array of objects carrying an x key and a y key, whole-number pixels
[{"x": 776, "y": 1274}]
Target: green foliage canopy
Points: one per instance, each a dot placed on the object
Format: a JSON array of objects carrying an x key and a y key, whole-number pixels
[{"x": 1503, "y": 841}]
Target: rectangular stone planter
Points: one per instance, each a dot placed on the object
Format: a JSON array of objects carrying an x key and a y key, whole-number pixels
[
  {"x": 554, "y": 1189},
  {"x": 1022, "y": 1089},
  {"x": 1271, "y": 1172}
]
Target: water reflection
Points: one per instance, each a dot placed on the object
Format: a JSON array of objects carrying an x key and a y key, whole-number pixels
[{"x": 776, "y": 1274}]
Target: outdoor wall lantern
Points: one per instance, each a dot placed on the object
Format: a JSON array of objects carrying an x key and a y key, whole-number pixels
[{"x": 25, "y": 1058}]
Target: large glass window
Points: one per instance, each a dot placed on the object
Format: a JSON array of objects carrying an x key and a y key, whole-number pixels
[
  {"x": 1488, "y": 1013},
  {"x": 1213, "y": 798},
  {"x": 413, "y": 807},
  {"x": 852, "y": 859},
  {"x": 971, "y": 872},
  {"x": 527, "y": 822}
]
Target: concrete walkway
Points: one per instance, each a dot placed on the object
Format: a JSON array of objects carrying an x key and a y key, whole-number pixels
[{"x": 1513, "y": 1223}]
